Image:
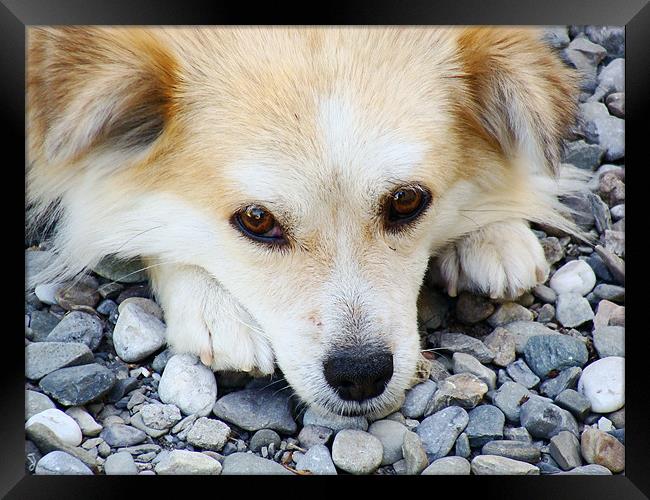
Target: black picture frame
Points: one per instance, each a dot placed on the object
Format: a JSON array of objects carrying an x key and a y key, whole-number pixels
[{"x": 16, "y": 15}]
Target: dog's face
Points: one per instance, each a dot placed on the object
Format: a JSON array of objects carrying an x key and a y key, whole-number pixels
[{"x": 322, "y": 168}]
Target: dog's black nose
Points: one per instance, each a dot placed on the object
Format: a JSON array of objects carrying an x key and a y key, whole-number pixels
[{"x": 358, "y": 374}]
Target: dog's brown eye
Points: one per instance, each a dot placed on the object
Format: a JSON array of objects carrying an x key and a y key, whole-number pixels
[
  {"x": 405, "y": 204},
  {"x": 259, "y": 224}
]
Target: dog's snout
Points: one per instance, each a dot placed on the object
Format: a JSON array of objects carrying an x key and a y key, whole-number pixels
[{"x": 358, "y": 374}]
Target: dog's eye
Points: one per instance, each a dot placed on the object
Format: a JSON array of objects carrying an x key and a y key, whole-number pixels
[
  {"x": 405, "y": 204},
  {"x": 258, "y": 223}
]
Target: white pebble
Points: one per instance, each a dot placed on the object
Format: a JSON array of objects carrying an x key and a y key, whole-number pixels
[
  {"x": 62, "y": 425},
  {"x": 188, "y": 384},
  {"x": 137, "y": 334},
  {"x": 603, "y": 383},
  {"x": 46, "y": 293},
  {"x": 574, "y": 277}
]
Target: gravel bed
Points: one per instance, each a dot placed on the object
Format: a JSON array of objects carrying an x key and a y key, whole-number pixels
[{"x": 529, "y": 387}]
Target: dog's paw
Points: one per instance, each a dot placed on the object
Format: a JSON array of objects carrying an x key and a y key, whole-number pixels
[
  {"x": 204, "y": 319},
  {"x": 501, "y": 260}
]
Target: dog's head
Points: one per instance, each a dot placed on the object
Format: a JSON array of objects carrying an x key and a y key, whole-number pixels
[{"x": 312, "y": 172}]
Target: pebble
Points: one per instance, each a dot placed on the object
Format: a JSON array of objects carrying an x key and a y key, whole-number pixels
[
  {"x": 509, "y": 312},
  {"x": 87, "y": 424},
  {"x": 553, "y": 251},
  {"x": 459, "y": 342},
  {"x": 36, "y": 261},
  {"x": 78, "y": 326},
  {"x": 120, "y": 464},
  {"x": 546, "y": 353},
  {"x": 266, "y": 437},
  {"x": 600, "y": 448},
  {"x": 160, "y": 416},
  {"x": 609, "y": 341},
  {"x": 332, "y": 421},
  {"x": 516, "y": 450},
  {"x": 565, "y": 450},
  {"x": 432, "y": 308},
  {"x": 509, "y": 398},
  {"x": 464, "y": 390},
  {"x": 147, "y": 305},
  {"x": 439, "y": 431},
  {"x": 120, "y": 435},
  {"x": 46, "y": 292},
  {"x": 415, "y": 456},
  {"x": 42, "y": 358},
  {"x": 612, "y": 38},
  {"x": 438, "y": 370},
  {"x": 36, "y": 402},
  {"x": 137, "y": 334},
  {"x": 502, "y": 343},
  {"x": 575, "y": 276},
  {"x": 609, "y": 314},
  {"x": 618, "y": 212},
  {"x": 136, "y": 421},
  {"x": 610, "y": 79},
  {"x": 47, "y": 441},
  {"x": 613, "y": 293},
  {"x": 391, "y": 436},
  {"x": 483, "y": 465},
  {"x": 448, "y": 466},
  {"x": 545, "y": 294},
  {"x": 78, "y": 385},
  {"x": 556, "y": 36},
  {"x": 462, "y": 447},
  {"x": 317, "y": 460},
  {"x": 357, "y": 452},
  {"x": 544, "y": 420},
  {"x": 590, "y": 470},
  {"x": 520, "y": 373},
  {"x": 62, "y": 425},
  {"x": 466, "y": 363},
  {"x": 583, "y": 155},
  {"x": 517, "y": 434},
  {"x": 574, "y": 402},
  {"x": 61, "y": 463},
  {"x": 546, "y": 313},
  {"x": 189, "y": 463},
  {"x": 485, "y": 424},
  {"x": 572, "y": 310},
  {"x": 255, "y": 409},
  {"x": 188, "y": 384},
  {"x": 208, "y": 434},
  {"x": 81, "y": 292},
  {"x": 471, "y": 309},
  {"x": 618, "y": 418},
  {"x": 522, "y": 331},
  {"x": 605, "y": 424},
  {"x": 417, "y": 398},
  {"x": 120, "y": 270},
  {"x": 41, "y": 324},
  {"x": 614, "y": 263},
  {"x": 603, "y": 383}
]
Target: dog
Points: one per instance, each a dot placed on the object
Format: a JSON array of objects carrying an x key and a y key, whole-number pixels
[{"x": 287, "y": 187}]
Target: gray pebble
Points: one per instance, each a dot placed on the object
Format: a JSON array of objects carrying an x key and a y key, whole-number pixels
[
  {"x": 522, "y": 331},
  {"x": 317, "y": 460},
  {"x": 120, "y": 464},
  {"x": 160, "y": 360},
  {"x": 334, "y": 422},
  {"x": 36, "y": 402},
  {"x": 517, "y": 434},
  {"x": 42, "y": 358},
  {"x": 311, "y": 435},
  {"x": 448, "y": 466},
  {"x": 471, "y": 309},
  {"x": 78, "y": 385},
  {"x": 566, "y": 379},
  {"x": 61, "y": 463},
  {"x": 606, "y": 291},
  {"x": 266, "y": 437},
  {"x": 485, "y": 424},
  {"x": 188, "y": 384},
  {"x": 546, "y": 313},
  {"x": 466, "y": 363},
  {"x": 119, "y": 435},
  {"x": 415, "y": 456},
  {"x": 439, "y": 431},
  {"x": 464, "y": 390},
  {"x": 496, "y": 465},
  {"x": 417, "y": 398},
  {"x": 41, "y": 324},
  {"x": 545, "y": 294},
  {"x": 160, "y": 416},
  {"x": 545, "y": 420},
  {"x": 520, "y": 373},
  {"x": 509, "y": 398},
  {"x": 78, "y": 326},
  {"x": 137, "y": 334},
  {"x": 391, "y": 435},
  {"x": 120, "y": 270},
  {"x": 609, "y": 341},
  {"x": 509, "y": 312},
  {"x": 546, "y": 353},
  {"x": 516, "y": 450},
  {"x": 574, "y": 402},
  {"x": 591, "y": 469},
  {"x": 208, "y": 434},
  {"x": 583, "y": 155},
  {"x": 357, "y": 452},
  {"x": 462, "y": 447},
  {"x": 189, "y": 463},
  {"x": 565, "y": 449},
  {"x": 459, "y": 342},
  {"x": 502, "y": 343},
  {"x": 572, "y": 309}
]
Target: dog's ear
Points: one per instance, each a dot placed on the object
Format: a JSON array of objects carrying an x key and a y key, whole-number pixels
[
  {"x": 521, "y": 93},
  {"x": 96, "y": 88}
]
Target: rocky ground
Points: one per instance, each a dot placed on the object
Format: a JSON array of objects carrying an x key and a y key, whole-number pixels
[{"x": 527, "y": 387}]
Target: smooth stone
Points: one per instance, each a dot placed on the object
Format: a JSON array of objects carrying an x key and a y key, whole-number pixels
[
  {"x": 78, "y": 385},
  {"x": 357, "y": 452},
  {"x": 556, "y": 36},
  {"x": 609, "y": 341},
  {"x": 609, "y": 314},
  {"x": 545, "y": 420},
  {"x": 603, "y": 383},
  {"x": 466, "y": 363},
  {"x": 520, "y": 373},
  {"x": 183, "y": 462},
  {"x": 188, "y": 384},
  {"x": 136, "y": 421},
  {"x": 318, "y": 461},
  {"x": 120, "y": 270},
  {"x": 62, "y": 425},
  {"x": 522, "y": 331},
  {"x": 255, "y": 409},
  {"x": 61, "y": 463},
  {"x": 502, "y": 343},
  {"x": 566, "y": 379},
  {"x": 616, "y": 104},
  {"x": 546, "y": 313},
  {"x": 613, "y": 293},
  {"x": 438, "y": 371},
  {"x": 545, "y": 294},
  {"x": 483, "y": 465},
  {"x": 509, "y": 312},
  {"x": 448, "y": 466},
  {"x": 147, "y": 305},
  {"x": 332, "y": 421},
  {"x": 439, "y": 431},
  {"x": 509, "y": 398},
  {"x": 462, "y": 447},
  {"x": 591, "y": 469},
  {"x": 574, "y": 402},
  {"x": 486, "y": 424},
  {"x": 471, "y": 309},
  {"x": 42, "y": 358},
  {"x": 119, "y": 435},
  {"x": 208, "y": 434},
  {"x": 160, "y": 361},
  {"x": 391, "y": 435},
  {"x": 618, "y": 418},
  {"x": 417, "y": 398},
  {"x": 464, "y": 390},
  {"x": 120, "y": 464},
  {"x": 41, "y": 325},
  {"x": 516, "y": 434},
  {"x": 160, "y": 416},
  {"x": 546, "y": 353},
  {"x": 572, "y": 309},
  {"x": 415, "y": 456},
  {"x": 565, "y": 450},
  {"x": 583, "y": 155},
  {"x": 87, "y": 424},
  {"x": 36, "y": 261},
  {"x": 515, "y": 450},
  {"x": 249, "y": 464},
  {"x": 137, "y": 334},
  {"x": 575, "y": 276},
  {"x": 459, "y": 342},
  {"x": 80, "y": 292},
  {"x": 36, "y": 402},
  {"x": 46, "y": 292},
  {"x": 78, "y": 326},
  {"x": 266, "y": 437},
  {"x": 600, "y": 448}
]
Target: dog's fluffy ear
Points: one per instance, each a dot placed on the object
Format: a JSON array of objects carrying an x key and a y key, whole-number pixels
[
  {"x": 521, "y": 93},
  {"x": 100, "y": 88}
]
